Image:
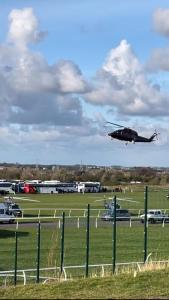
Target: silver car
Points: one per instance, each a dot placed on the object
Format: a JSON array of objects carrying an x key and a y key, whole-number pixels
[{"x": 121, "y": 214}]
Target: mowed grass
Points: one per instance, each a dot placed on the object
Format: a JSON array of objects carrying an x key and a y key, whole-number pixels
[
  {"x": 130, "y": 240},
  {"x": 74, "y": 204}
]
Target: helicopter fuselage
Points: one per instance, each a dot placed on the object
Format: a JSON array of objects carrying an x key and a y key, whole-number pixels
[
  {"x": 125, "y": 134},
  {"x": 130, "y": 135}
]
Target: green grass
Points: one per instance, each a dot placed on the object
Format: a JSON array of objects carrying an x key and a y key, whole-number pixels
[
  {"x": 129, "y": 246},
  {"x": 146, "y": 285},
  {"x": 130, "y": 240},
  {"x": 48, "y": 203}
]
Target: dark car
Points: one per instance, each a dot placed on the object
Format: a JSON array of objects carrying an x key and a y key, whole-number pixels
[{"x": 121, "y": 214}]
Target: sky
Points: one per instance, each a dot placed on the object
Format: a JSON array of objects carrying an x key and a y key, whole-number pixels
[{"x": 67, "y": 67}]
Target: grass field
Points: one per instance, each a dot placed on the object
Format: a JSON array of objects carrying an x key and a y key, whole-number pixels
[{"x": 130, "y": 240}]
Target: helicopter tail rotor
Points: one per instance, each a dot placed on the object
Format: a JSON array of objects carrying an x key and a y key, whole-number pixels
[
  {"x": 154, "y": 136},
  {"x": 157, "y": 134}
]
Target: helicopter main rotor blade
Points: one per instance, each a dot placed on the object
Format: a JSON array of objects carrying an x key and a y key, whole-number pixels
[
  {"x": 99, "y": 200},
  {"x": 25, "y": 199},
  {"x": 118, "y": 199},
  {"x": 127, "y": 200},
  {"x": 116, "y": 124}
]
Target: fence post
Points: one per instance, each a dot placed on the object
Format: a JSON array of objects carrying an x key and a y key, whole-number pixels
[
  {"x": 145, "y": 222},
  {"x": 16, "y": 257},
  {"x": 87, "y": 239},
  {"x": 96, "y": 223},
  {"x": 130, "y": 222},
  {"x": 114, "y": 237},
  {"x": 62, "y": 243},
  {"x": 38, "y": 252}
]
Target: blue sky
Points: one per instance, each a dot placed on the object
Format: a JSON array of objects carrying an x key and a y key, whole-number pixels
[
  {"x": 79, "y": 28},
  {"x": 68, "y": 66}
]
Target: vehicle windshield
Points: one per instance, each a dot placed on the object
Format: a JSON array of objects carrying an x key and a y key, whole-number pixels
[
  {"x": 14, "y": 206},
  {"x": 122, "y": 211}
]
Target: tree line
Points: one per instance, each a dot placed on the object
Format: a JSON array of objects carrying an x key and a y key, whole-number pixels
[{"x": 107, "y": 176}]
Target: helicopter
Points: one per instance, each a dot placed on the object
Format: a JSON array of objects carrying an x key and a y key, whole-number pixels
[
  {"x": 110, "y": 204},
  {"x": 129, "y": 135},
  {"x": 122, "y": 214},
  {"x": 12, "y": 207}
]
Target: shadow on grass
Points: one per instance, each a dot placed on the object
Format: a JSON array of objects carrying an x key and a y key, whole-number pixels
[{"x": 11, "y": 233}]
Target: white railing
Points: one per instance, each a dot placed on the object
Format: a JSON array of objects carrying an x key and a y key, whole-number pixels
[
  {"x": 22, "y": 274},
  {"x": 25, "y": 274},
  {"x": 71, "y": 211},
  {"x": 79, "y": 221}
]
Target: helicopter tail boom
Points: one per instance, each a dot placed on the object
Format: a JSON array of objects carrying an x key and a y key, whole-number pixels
[
  {"x": 152, "y": 138},
  {"x": 144, "y": 139}
]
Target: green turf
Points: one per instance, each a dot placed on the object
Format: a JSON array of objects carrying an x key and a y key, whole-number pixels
[
  {"x": 130, "y": 240},
  {"x": 49, "y": 204}
]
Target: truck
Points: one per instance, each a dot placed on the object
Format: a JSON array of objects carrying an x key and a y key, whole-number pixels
[
  {"x": 155, "y": 216},
  {"x": 5, "y": 215}
]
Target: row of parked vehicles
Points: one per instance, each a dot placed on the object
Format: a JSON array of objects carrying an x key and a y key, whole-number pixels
[{"x": 9, "y": 210}]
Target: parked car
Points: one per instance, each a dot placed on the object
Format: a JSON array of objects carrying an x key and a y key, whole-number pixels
[
  {"x": 155, "y": 216},
  {"x": 121, "y": 215}
]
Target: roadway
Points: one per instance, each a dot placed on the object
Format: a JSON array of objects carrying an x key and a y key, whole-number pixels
[{"x": 74, "y": 223}]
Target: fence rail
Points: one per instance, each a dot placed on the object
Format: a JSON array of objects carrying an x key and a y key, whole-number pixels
[{"x": 24, "y": 273}]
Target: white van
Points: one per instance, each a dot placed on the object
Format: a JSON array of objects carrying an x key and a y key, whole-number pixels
[{"x": 5, "y": 215}]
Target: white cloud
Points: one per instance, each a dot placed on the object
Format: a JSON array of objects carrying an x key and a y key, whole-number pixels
[
  {"x": 69, "y": 77},
  {"x": 32, "y": 91},
  {"x": 23, "y": 28},
  {"x": 161, "y": 21},
  {"x": 122, "y": 84},
  {"x": 159, "y": 60},
  {"x": 122, "y": 63}
]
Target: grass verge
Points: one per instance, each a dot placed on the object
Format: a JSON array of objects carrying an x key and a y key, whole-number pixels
[{"x": 143, "y": 285}]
